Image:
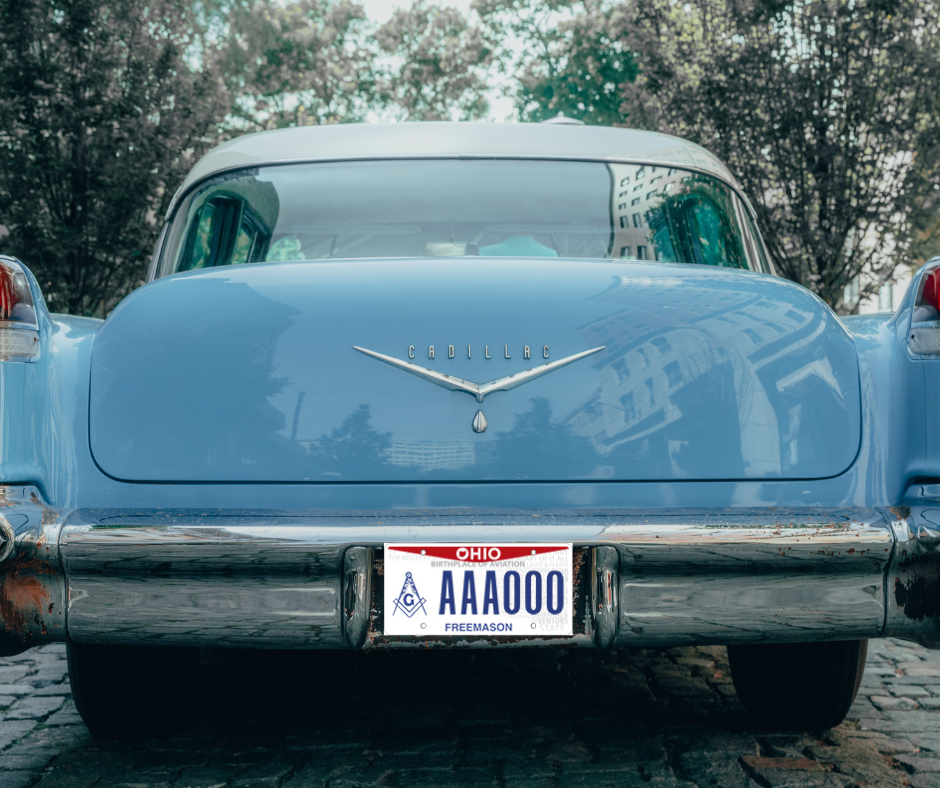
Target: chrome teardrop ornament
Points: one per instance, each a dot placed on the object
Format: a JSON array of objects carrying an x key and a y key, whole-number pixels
[{"x": 479, "y": 422}]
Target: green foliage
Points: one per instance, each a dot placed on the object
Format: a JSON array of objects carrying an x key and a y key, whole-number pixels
[
  {"x": 573, "y": 60},
  {"x": 105, "y": 105},
  {"x": 439, "y": 64},
  {"x": 923, "y": 207},
  {"x": 827, "y": 111},
  {"x": 99, "y": 121},
  {"x": 301, "y": 63}
]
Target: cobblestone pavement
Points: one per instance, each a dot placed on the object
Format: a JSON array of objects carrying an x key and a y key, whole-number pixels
[{"x": 505, "y": 718}]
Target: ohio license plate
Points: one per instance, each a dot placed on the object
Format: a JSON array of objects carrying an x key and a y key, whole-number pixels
[{"x": 478, "y": 589}]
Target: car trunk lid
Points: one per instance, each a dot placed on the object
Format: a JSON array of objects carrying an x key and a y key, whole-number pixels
[{"x": 251, "y": 374}]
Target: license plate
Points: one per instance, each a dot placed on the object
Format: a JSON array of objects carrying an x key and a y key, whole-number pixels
[{"x": 502, "y": 590}]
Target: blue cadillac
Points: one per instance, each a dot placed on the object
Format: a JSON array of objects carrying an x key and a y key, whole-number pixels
[{"x": 466, "y": 385}]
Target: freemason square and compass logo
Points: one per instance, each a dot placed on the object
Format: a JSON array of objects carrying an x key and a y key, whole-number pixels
[{"x": 409, "y": 600}]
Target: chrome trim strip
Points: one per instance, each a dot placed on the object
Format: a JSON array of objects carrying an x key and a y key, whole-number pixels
[{"x": 157, "y": 252}]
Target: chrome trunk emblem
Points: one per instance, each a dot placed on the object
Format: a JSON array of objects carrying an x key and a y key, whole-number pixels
[
  {"x": 479, "y": 390},
  {"x": 479, "y": 422}
]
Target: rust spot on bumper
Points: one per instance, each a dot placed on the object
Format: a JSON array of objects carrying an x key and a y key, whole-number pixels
[
  {"x": 22, "y": 598},
  {"x": 32, "y": 588},
  {"x": 901, "y": 512},
  {"x": 49, "y": 514}
]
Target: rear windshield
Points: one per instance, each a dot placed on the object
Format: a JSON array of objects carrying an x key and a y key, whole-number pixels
[{"x": 457, "y": 208}]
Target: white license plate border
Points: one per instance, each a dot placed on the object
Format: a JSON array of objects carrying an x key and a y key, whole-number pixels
[{"x": 573, "y": 591}]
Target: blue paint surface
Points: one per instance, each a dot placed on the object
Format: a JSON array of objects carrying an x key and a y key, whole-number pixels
[
  {"x": 248, "y": 374},
  {"x": 258, "y": 338}
]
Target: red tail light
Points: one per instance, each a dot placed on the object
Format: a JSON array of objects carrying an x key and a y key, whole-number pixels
[
  {"x": 19, "y": 329},
  {"x": 8, "y": 295},
  {"x": 930, "y": 293}
]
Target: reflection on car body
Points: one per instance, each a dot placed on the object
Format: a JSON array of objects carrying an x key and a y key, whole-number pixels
[
  {"x": 471, "y": 340},
  {"x": 444, "y": 208}
]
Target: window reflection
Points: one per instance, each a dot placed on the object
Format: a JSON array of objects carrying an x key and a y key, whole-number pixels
[
  {"x": 459, "y": 208},
  {"x": 688, "y": 218}
]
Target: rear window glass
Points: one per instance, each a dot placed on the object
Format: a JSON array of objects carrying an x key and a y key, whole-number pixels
[{"x": 458, "y": 208}]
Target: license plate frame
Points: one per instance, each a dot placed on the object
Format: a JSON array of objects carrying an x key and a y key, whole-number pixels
[{"x": 508, "y": 582}]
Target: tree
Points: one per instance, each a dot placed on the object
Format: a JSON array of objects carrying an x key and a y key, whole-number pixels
[
  {"x": 827, "y": 111},
  {"x": 101, "y": 115},
  {"x": 923, "y": 205},
  {"x": 567, "y": 58},
  {"x": 308, "y": 62},
  {"x": 302, "y": 63},
  {"x": 106, "y": 105},
  {"x": 439, "y": 64}
]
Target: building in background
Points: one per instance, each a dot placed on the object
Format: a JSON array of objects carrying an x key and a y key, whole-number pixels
[
  {"x": 887, "y": 299},
  {"x": 636, "y": 191}
]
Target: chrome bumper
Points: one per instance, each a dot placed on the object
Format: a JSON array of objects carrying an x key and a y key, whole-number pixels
[{"x": 314, "y": 580}]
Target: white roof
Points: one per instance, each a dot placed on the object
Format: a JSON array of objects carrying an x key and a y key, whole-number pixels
[{"x": 392, "y": 140}]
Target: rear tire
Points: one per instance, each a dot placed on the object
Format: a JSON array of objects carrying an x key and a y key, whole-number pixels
[
  {"x": 128, "y": 692},
  {"x": 798, "y": 686}
]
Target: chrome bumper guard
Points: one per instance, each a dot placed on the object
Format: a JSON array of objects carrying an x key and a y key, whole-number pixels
[{"x": 314, "y": 579}]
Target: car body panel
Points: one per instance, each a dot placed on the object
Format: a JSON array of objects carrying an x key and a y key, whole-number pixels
[
  {"x": 45, "y": 404},
  {"x": 249, "y": 374},
  {"x": 843, "y": 543}
]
